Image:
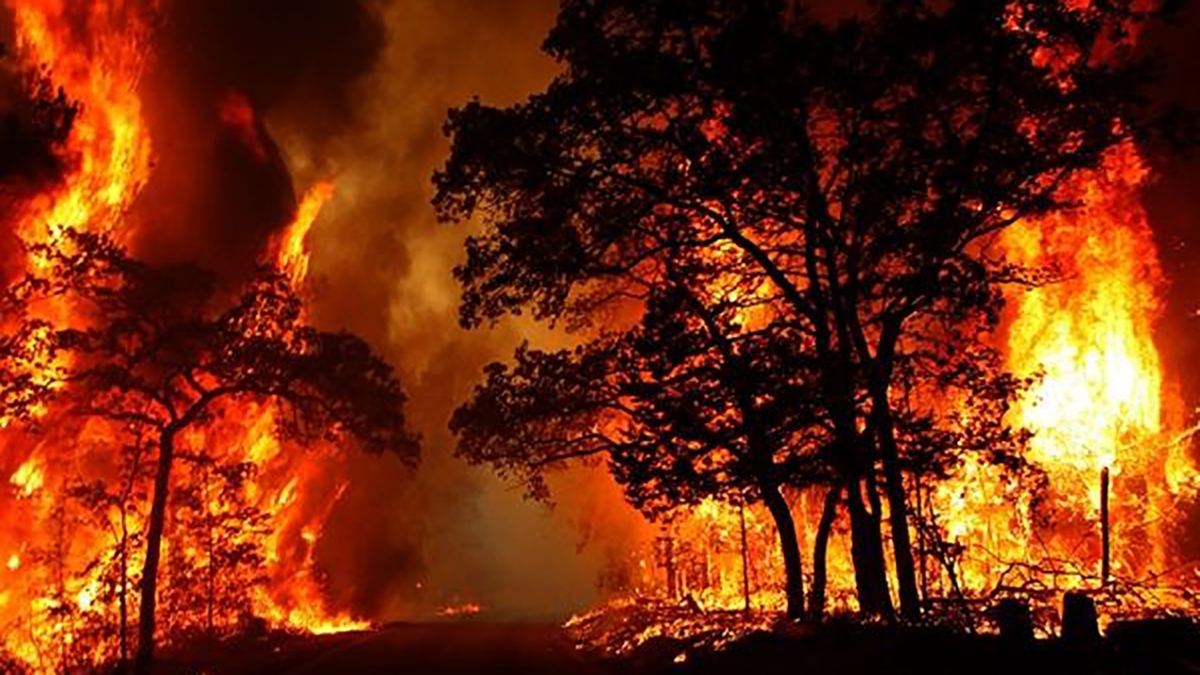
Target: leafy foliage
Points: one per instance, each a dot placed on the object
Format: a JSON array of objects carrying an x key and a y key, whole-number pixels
[
  {"x": 824, "y": 200},
  {"x": 159, "y": 352}
]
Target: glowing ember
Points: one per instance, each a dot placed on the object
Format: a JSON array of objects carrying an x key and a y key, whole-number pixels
[{"x": 466, "y": 609}]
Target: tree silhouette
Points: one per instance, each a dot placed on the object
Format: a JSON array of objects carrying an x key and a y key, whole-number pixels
[
  {"x": 155, "y": 350},
  {"x": 31, "y": 129},
  {"x": 689, "y": 404},
  {"x": 862, "y": 169}
]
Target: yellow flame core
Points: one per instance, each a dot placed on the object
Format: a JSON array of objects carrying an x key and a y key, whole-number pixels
[
  {"x": 29, "y": 478},
  {"x": 109, "y": 146},
  {"x": 1096, "y": 404},
  {"x": 1092, "y": 333}
]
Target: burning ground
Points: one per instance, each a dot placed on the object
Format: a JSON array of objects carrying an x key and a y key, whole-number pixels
[{"x": 232, "y": 136}]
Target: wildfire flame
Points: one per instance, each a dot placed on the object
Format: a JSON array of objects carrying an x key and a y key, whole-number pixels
[
  {"x": 293, "y": 247},
  {"x": 60, "y": 585},
  {"x": 1098, "y": 404}
]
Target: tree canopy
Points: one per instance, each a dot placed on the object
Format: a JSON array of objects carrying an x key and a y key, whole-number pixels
[
  {"x": 156, "y": 350},
  {"x": 852, "y": 178}
]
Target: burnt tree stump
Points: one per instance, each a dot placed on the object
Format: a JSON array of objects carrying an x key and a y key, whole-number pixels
[
  {"x": 1014, "y": 620},
  {"x": 1079, "y": 623}
]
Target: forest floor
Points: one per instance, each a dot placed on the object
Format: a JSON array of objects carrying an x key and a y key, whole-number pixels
[
  {"x": 487, "y": 648},
  {"x": 446, "y": 648},
  {"x": 724, "y": 646}
]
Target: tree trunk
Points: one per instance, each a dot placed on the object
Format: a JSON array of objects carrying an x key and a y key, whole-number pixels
[
  {"x": 906, "y": 570},
  {"x": 144, "y": 661},
  {"x": 816, "y": 598},
  {"x": 212, "y": 569},
  {"x": 866, "y": 548},
  {"x": 790, "y": 547},
  {"x": 123, "y": 598},
  {"x": 745, "y": 558},
  {"x": 1105, "y": 546}
]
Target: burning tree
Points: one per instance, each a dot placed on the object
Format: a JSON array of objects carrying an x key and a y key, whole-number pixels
[
  {"x": 858, "y": 177},
  {"x": 695, "y": 402},
  {"x": 159, "y": 353}
]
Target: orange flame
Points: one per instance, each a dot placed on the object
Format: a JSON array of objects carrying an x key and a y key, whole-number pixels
[
  {"x": 63, "y": 562},
  {"x": 1098, "y": 403},
  {"x": 100, "y": 66},
  {"x": 293, "y": 255}
]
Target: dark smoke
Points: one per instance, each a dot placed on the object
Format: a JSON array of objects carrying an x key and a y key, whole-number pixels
[
  {"x": 1171, "y": 201},
  {"x": 212, "y": 200},
  {"x": 457, "y": 534},
  {"x": 357, "y": 92}
]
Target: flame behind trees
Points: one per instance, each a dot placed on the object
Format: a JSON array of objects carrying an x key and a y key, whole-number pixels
[
  {"x": 855, "y": 179},
  {"x": 158, "y": 352},
  {"x": 686, "y": 406},
  {"x": 82, "y": 152}
]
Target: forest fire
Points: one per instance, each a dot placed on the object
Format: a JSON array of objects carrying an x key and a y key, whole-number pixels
[
  {"x": 1099, "y": 404},
  {"x": 241, "y": 540},
  {"x": 882, "y": 352},
  {"x": 998, "y": 371}
]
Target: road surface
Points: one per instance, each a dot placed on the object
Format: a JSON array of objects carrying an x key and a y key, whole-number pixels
[{"x": 451, "y": 649}]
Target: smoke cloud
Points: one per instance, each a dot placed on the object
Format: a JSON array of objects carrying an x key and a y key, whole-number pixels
[{"x": 250, "y": 102}]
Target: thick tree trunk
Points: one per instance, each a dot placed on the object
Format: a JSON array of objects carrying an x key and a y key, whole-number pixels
[
  {"x": 816, "y": 597},
  {"x": 897, "y": 499},
  {"x": 866, "y": 548},
  {"x": 144, "y": 661},
  {"x": 790, "y": 547}
]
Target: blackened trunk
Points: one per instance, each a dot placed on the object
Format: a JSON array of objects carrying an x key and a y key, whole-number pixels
[
  {"x": 123, "y": 597},
  {"x": 902, "y": 550},
  {"x": 144, "y": 661},
  {"x": 790, "y": 547},
  {"x": 745, "y": 557},
  {"x": 866, "y": 548},
  {"x": 816, "y": 597}
]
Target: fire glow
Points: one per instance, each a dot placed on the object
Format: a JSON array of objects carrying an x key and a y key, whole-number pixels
[
  {"x": 1107, "y": 434},
  {"x": 61, "y": 599},
  {"x": 1099, "y": 404}
]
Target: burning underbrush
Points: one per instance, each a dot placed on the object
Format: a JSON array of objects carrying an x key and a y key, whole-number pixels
[
  {"x": 1073, "y": 472},
  {"x": 658, "y": 635},
  {"x": 621, "y": 628},
  {"x": 125, "y": 381}
]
